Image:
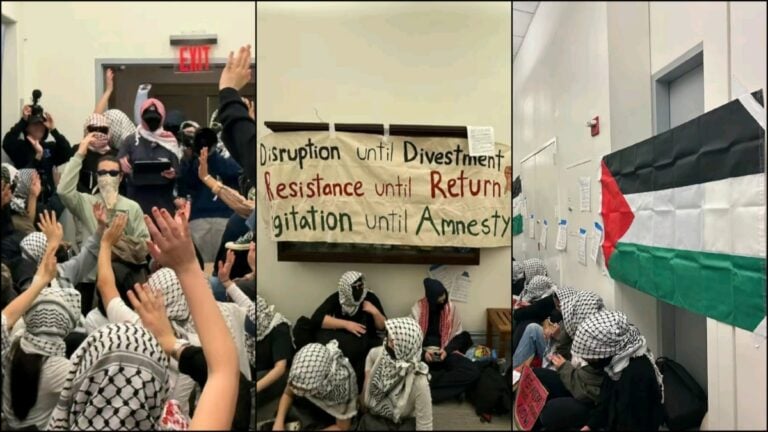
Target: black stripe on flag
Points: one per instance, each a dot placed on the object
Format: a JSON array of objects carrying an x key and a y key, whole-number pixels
[
  {"x": 517, "y": 187},
  {"x": 725, "y": 142}
]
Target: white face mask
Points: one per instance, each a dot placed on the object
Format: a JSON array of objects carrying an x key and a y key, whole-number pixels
[{"x": 108, "y": 187}]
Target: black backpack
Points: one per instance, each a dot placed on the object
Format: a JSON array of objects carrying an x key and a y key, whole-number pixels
[
  {"x": 490, "y": 394},
  {"x": 685, "y": 402}
]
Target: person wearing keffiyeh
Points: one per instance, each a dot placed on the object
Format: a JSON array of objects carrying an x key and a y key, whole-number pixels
[
  {"x": 99, "y": 146},
  {"x": 397, "y": 385},
  {"x": 632, "y": 392},
  {"x": 320, "y": 374},
  {"x": 270, "y": 350}
]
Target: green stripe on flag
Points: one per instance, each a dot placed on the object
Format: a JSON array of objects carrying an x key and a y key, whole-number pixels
[
  {"x": 517, "y": 224},
  {"x": 727, "y": 288}
]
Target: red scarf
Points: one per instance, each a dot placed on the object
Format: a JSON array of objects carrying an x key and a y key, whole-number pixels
[{"x": 446, "y": 321}]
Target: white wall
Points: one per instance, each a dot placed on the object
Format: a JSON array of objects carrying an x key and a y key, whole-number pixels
[
  {"x": 413, "y": 63},
  {"x": 57, "y": 44},
  {"x": 642, "y": 38}
]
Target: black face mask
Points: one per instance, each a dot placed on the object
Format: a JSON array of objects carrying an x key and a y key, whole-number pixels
[
  {"x": 357, "y": 290},
  {"x": 600, "y": 364},
  {"x": 152, "y": 119},
  {"x": 63, "y": 254}
]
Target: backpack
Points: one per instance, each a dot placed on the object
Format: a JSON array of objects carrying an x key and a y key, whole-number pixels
[
  {"x": 491, "y": 395},
  {"x": 480, "y": 354},
  {"x": 685, "y": 402}
]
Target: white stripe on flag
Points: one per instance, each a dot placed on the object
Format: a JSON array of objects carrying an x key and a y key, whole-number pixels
[{"x": 723, "y": 216}]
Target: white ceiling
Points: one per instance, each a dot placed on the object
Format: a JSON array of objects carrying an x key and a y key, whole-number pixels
[{"x": 522, "y": 14}]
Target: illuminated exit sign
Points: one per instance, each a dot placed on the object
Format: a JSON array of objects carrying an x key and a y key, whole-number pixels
[{"x": 194, "y": 51}]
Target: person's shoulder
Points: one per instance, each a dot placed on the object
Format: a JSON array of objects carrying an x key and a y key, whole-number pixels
[
  {"x": 371, "y": 296},
  {"x": 281, "y": 329}
]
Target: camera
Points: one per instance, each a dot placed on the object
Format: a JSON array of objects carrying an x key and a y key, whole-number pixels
[{"x": 37, "y": 115}]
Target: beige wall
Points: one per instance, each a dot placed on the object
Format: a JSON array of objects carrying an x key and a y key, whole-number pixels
[
  {"x": 430, "y": 63},
  {"x": 57, "y": 43},
  {"x": 642, "y": 38}
]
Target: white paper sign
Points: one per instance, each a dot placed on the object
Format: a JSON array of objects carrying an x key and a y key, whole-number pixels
[
  {"x": 515, "y": 376},
  {"x": 543, "y": 236},
  {"x": 481, "y": 140},
  {"x": 460, "y": 291},
  {"x": 562, "y": 235},
  {"x": 597, "y": 240},
  {"x": 584, "y": 194},
  {"x": 455, "y": 279},
  {"x": 582, "y": 246},
  {"x": 524, "y": 210},
  {"x": 531, "y": 225}
]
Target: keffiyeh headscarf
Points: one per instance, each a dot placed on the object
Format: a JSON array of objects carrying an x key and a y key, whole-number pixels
[
  {"x": 533, "y": 267},
  {"x": 53, "y": 315},
  {"x": 609, "y": 334},
  {"x": 120, "y": 126},
  {"x": 517, "y": 271},
  {"x": 21, "y": 193},
  {"x": 101, "y": 143},
  {"x": 428, "y": 307},
  {"x": 119, "y": 380},
  {"x": 250, "y": 338},
  {"x": 267, "y": 319},
  {"x": 176, "y": 307},
  {"x": 323, "y": 375},
  {"x": 392, "y": 379},
  {"x": 165, "y": 139},
  {"x": 538, "y": 288},
  {"x": 349, "y": 305},
  {"x": 33, "y": 246},
  {"x": 577, "y": 306}
]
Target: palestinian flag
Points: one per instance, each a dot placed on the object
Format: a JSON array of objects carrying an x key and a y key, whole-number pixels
[
  {"x": 685, "y": 214},
  {"x": 517, "y": 206}
]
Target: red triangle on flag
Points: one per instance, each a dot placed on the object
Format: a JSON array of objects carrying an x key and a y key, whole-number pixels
[{"x": 617, "y": 215}]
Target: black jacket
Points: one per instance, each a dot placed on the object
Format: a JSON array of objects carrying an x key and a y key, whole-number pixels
[
  {"x": 537, "y": 311},
  {"x": 631, "y": 403},
  {"x": 22, "y": 154},
  {"x": 239, "y": 133}
]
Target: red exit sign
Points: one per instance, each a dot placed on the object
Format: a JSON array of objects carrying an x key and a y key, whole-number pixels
[{"x": 194, "y": 58}]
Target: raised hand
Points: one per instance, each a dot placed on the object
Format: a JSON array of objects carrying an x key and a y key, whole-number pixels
[
  {"x": 35, "y": 188},
  {"x": 100, "y": 213},
  {"x": 26, "y": 112},
  {"x": 110, "y": 80},
  {"x": 225, "y": 267},
  {"x": 151, "y": 309},
  {"x": 115, "y": 232},
  {"x": 49, "y": 122},
  {"x": 53, "y": 230},
  {"x": 202, "y": 169},
  {"x": 237, "y": 72},
  {"x": 47, "y": 269},
  {"x": 87, "y": 140},
  {"x": 171, "y": 243}
]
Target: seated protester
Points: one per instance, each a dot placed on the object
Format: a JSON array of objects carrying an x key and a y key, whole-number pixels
[
  {"x": 24, "y": 205},
  {"x": 540, "y": 305},
  {"x": 518, "y": 278},
  {"x": 38, "y": 363},
  {"x": 8, "y": 287},
  {"x": 324, "y": 384},
  {"x": 105, "y": 389},
  {"x": 533, "y": 267},
  {"x": 273, "y": 352},
  {"x": 444, "y": 343},
  {"x": 396, "y": 393},
  {"x": 350, "y": 316},
  {"x": 632, "y": 393}
]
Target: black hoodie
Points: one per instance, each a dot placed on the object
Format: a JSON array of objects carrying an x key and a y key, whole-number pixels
[{"x": 22, "y": 154}]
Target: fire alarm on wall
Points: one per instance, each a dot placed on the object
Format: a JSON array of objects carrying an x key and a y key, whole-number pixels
[{"x": 594, "y": 126}]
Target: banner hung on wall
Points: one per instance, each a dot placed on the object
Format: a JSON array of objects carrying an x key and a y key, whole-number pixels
[{"x": 366, "y": 188}]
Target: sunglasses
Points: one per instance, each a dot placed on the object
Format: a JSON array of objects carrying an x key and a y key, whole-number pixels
[
  {"x": 111, "y": 173},
  {"x": 102, "y": 129}
]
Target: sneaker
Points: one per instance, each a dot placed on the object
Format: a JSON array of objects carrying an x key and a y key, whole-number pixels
[{"x": 241, "y": 244}]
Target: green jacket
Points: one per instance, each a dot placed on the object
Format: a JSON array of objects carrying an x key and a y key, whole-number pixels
[
  {"x": 584, "y": 383},
  {"x": 81, "y": 204}
]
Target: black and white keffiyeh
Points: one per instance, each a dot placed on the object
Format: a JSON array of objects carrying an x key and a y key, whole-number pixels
[
  {"x": 120, "y": 126},
  {"x": 267, "y": 319},
  {"x": 392, "y": 379},
  {"x": 609, "y": 334},
  {"x": 33, "y": 246},
  {"x": 21, "y": 193},
  {"x": 166, "y": 281},
  {"x": 517, "y": 271},
  {"x": 53, "y": 315},
  {"x": 533, "y": 267},
  {"x": 576, "y": 306},
  {"x": 119, "y": 380},
  {"x": 323, "y": 375},
  {"x": 346, "y": 297},
  {"x": 538, "y": 288}
]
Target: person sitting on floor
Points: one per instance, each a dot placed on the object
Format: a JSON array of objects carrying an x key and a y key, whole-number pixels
[
  {"x": 325, "y": 383},
  {"x": 350, "y": 316},
  {"x": 273, "y": 351},
  {"x": 632, "y": 393},
  {"x": 396, "y": 391},
  {"x": 518, "y": 278},
  {"x": 540, "y": 305},
  {"x": 444, "y": 343}
]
